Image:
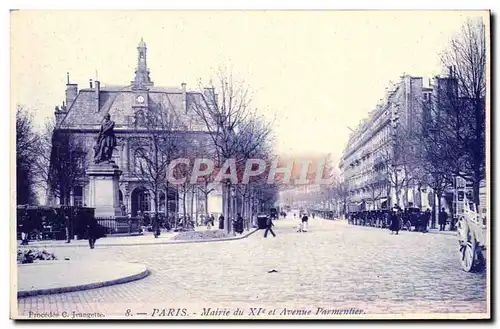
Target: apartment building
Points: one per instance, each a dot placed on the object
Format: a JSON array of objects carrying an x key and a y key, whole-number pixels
[{"x": 366, "y": 165}]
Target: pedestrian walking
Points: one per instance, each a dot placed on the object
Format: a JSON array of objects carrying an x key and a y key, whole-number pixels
[
  {"x": 269, "y": 227},
  {"x": 426, "y": 218},
  {"x": 305, "y": 219},
  {"x": 25, "y": 227},
  {"x": 208, "y": 222},
  {"x": 238, "y": 227},
  {"x": 155, "y": 225},
  {"x": 221, "y": 222},
  {"x": 67, "y": 223},
  {"x": 443, "y": 216},
  {"x": 395, "y": 221},
  {"x": 92, "y": 231},
  {"x": 212, "y": 220}
]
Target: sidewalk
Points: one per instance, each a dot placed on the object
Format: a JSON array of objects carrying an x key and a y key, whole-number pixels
[
  {"x": 112, "y": 240},
  {"x": 146, "y": 239},
  {"x": 432, "y": 231},
  {"x": 52, "y": 277},
  {"x": 437, "y": 231}
]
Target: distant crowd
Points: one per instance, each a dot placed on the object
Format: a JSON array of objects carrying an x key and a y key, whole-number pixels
[{"x": 396, "y": 219}]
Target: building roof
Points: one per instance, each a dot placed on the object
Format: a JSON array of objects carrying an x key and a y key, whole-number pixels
[
  {"x": 118, "y": 102},
  {"x": 87, "y": 112}
]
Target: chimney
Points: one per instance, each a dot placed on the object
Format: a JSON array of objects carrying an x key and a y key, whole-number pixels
[
  {"x": 450, "y": 69},
  {"x": 71, "y": 91},
  {"x": 59, "y": 115},
  {"x": 96, "y": 94},
  {"x": 90, "y": 83},
  {"x": 184, "y": 97}
]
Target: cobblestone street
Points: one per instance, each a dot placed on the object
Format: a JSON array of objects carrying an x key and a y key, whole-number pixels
[{"x": 332, "y": 265}]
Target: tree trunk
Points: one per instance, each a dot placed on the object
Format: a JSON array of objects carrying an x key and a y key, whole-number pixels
[
  {"x": 184, "y": 210},
  {"x": 475, "y": 191},
  {"x": 166, "y": 201},
  {"x": 191, "y": 207},
  {"x": 398, "y": 191},
  {"x": 206, "y": 198},
  {"x": 227, "y": 208},
  {"x": 405, "y": 195},
  {"x": 155, "y": 201},
  {"x": 438, "y": 204},
  {"x": 167, "y": 215},
  {"x": 196, "y": 205}
]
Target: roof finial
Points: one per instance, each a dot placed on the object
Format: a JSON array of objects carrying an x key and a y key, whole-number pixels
[
  {"x": 142, "y": 44},
  {"x": 67, "y": 78}
]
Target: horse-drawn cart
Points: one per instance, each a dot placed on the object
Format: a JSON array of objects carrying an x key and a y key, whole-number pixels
[{"x": 472, "y": 237}]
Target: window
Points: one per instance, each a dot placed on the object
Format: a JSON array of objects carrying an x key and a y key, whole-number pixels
[
  {"x": 139, "y": 119},
  {"x": 78, "y": 196}
]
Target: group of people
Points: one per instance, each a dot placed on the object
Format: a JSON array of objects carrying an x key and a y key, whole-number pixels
[
  {"x": 396, "y": 219},
  {"x": 304, "y": 219}
]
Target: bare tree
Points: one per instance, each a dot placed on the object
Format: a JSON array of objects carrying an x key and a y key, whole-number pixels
[
  {"x": 44, "y": 152},
  {"x": 26, "y": 156},
  {"x": 396, "y": 159},
  {"x": 155, "y": 149},
  {"x": 254, "y": 141},
  {"x": 341, "y": 193},
  {"x": 433, "y": 157},
  {"x": 377, "y": 188},
  {"x": 68, "y": 160},
  {"x": 230, "y": 121},
  {"x": 461, "y": 106}
]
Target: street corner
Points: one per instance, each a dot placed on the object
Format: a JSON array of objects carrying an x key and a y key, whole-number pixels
[{"x": 54, "y": 277}]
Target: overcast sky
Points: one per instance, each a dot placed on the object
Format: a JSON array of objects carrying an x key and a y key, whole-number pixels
[{"x": 317, "y": 72}]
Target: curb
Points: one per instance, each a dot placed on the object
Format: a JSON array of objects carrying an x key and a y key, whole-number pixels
[
  {"x": 243, "y": 236},
  {"x": 443, "y": 233},
  {"x": 60, "y": 290}
]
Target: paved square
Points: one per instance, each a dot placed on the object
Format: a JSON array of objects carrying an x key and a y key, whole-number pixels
[{"x": 332, "y": 265}]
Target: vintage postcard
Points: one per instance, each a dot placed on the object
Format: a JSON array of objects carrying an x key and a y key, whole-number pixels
[{"x": 250, "y": 165}]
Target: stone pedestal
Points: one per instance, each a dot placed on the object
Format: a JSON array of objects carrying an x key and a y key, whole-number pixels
[{"x": 104, "y": 189}]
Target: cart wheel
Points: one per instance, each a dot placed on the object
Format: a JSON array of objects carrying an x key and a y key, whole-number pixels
[{"x": 470, "y": 254}]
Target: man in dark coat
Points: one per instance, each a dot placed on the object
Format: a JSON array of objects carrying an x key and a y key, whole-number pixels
[
  {"x": 426, "y": 218},
  {"x": 395, "y": 221},
  {"x": 305, "y": 219},
  {"x": 155, "y": 225},
  {"x": 221, "y": 222},
  {"x": 67, "y": 221},
  {"x": 269, "y": 226},
  {"x": 443, "y": 216},
  {"x": 92, "y": 231},
  {"x": 239, "y": 224}
]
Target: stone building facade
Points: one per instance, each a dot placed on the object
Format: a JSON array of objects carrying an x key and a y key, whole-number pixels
[
  {"x": 84, "y": 109},
  {"x": 370, "y": 148}
]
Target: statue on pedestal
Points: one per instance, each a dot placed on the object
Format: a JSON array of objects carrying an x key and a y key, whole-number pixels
[{"x": 106, "y": 141}]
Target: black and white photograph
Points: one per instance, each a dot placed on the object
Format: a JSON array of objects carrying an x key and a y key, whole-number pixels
[{"x": 250, "y": 164}]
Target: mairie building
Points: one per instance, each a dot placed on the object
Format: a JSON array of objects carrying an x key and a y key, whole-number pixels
[{"x": 83, "y": 111}]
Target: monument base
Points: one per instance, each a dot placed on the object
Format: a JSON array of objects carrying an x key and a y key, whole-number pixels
[{"x": 104, "y": 189}]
